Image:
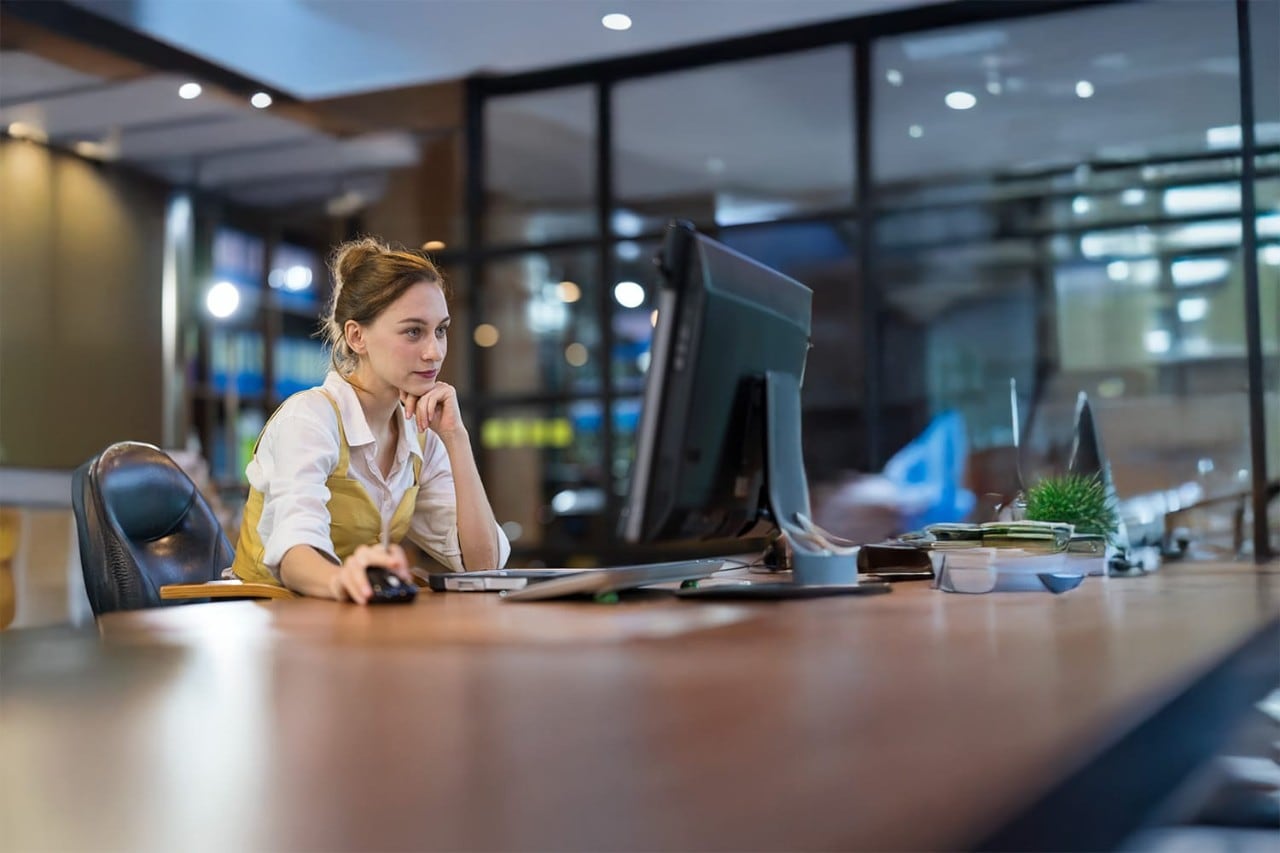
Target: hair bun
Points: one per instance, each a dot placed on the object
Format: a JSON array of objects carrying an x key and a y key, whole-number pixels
[{"x": 348, "y": 257}]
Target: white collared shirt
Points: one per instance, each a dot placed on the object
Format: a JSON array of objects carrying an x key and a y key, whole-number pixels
[{"x": 299, "y": 450}]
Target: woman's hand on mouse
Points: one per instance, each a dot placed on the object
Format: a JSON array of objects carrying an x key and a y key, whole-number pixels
[
  {"x": 351, "y": 583},
  {"x": 437, "y": 409}
]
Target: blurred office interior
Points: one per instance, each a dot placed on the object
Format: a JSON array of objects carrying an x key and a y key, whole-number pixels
[{"x": 1051, "y": 192}]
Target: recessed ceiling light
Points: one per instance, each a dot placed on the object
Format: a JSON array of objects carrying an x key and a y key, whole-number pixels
[
  {"x": 1133, "y": 196},
  {"x": 894, "y": 76},
  {"x": 222, "y": 299},
  {"x": 960, "y": 100},
  {"x": 92, "y": 150},
  {"x": 1157, "y": 341},
  {"x": 629, "y": 294},
  {"x": 568, "y": 291},
  {"x": 1084, "y": 89},
  {"x": 1118, "y": 270},
  {"x": 187, "y": 91},
  {"x": 1191, "y": 310},
  {"x": 433, "y": 246},
  {"x": 26, "y": 130},
  {"x": 261, "y": 100},
  {"x": 297, "y": 278},
  {"x": 616, "y": 21},
  {"x": 916, "y": 131},
  {"x": 994, "y": 87}
]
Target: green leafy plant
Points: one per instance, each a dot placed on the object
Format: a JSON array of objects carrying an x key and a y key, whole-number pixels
[{"x": 1076, "y": 499}]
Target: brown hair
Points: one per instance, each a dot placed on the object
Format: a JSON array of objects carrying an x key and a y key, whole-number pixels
[{"x": 368, "y": 275}]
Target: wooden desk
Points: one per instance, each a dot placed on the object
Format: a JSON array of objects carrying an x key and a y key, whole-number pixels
[{"x": 917, "y": 720}]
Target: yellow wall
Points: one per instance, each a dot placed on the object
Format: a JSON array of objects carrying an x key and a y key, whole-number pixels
[{"x": 80, "y": 349}]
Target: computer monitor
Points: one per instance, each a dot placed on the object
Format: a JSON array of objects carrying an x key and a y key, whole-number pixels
[{"x": 718, "y": 451}]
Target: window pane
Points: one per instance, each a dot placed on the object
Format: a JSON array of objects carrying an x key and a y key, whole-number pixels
[
  {"x": 626, "y": 427},
  {"x": 545, "y": 473},
  {"x": 299, "y": 284},
  {"x": 540, "y": 155},
  {"x": 237, "y": 257},
  {"x": 1049, "y": 232},
  {"x": 1265, "y": 21},
  {"x": 958, "y": 324},
  {"x": 738, "y": 142},
  {"x": 298, "y": 277},
  {"x": 461, "y": 336},
  {"x": 1055, "y": 89},
  {"x": 539, "y": 329},
  {"x": 633, "y": 323},
  {"x": 299, "y": 359}
]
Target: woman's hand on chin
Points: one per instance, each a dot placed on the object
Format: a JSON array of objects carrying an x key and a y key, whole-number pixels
[{"x": 437, "y": 409}]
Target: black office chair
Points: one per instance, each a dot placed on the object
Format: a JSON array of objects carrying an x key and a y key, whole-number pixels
[{"x": 142, "y": 524}]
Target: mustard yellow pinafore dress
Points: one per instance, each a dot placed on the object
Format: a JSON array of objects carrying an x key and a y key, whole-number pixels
[{"x": 353, "y": 516}]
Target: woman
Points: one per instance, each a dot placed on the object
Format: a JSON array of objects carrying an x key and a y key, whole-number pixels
[{"x": 376, "y": 453}]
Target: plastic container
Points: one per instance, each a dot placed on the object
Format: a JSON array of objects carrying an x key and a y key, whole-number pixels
[{"x": 981, "y": 570}]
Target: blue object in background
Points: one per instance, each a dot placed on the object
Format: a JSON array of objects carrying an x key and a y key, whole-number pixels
[{"x": 929, "y": 473}]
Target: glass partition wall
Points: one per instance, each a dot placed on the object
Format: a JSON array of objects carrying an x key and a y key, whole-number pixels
[{"x": 975, "y": 193}]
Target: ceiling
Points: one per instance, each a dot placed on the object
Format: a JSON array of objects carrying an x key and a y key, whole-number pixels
[
  {"x": 215, "y": 142},
  {"x": 326, "y": 48},
  {"x": 322, "y": 49},
  {"x": 767, "y": 129}
]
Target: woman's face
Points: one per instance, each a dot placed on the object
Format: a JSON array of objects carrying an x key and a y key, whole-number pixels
[{"x": 405, "y": 345}]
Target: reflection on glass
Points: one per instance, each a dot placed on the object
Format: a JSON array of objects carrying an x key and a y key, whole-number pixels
[
  {"x": 626, "y": 424},
  {"x": 957, "y": 326},
  {"x": 739, "y": 142},
  {"x": 541, "y": 342},
  {"x": 633, "y": 324},
  {"x": 298, "y": 278},
  {"x": 457, "y": 362},
  {"x": 1055, "y": 89},
  {"x": 546, "y": 471},
  {"x": 540, "y": 166},
  {"x": 298, "y": 364},
  {"x": 237, "y": 258},
  {"x": 1264, "y": 20}
]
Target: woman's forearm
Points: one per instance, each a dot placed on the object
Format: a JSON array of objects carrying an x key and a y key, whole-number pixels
[
  {"x": 304, "y": 569},
  {"x": 477, "y": 529}
]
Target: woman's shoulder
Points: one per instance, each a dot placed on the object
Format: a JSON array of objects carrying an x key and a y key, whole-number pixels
[{"x": 312, "y": 407}]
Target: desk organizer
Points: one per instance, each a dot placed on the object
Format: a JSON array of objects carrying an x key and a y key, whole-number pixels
[{"x": 1012, "y": 556}]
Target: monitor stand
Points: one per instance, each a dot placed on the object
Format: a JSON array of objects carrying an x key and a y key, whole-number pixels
[{"x": 819, "y": 566}]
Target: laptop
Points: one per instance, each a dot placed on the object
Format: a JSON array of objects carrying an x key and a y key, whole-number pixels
[
  {"x": 495, "y": 580},
  {"x": 538, "y": 584}
]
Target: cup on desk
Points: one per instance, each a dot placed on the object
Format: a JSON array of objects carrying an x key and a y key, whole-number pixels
[{"x": 809, "y": 569}]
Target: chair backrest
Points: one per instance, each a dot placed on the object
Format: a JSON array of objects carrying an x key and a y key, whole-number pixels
[{"x": 142, "y": 524}]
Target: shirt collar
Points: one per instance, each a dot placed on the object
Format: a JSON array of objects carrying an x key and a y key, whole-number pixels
[{"x": 356, "y": 426}]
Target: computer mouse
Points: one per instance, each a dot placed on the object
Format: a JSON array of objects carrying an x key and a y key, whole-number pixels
[{"x": 388, "y": 587}]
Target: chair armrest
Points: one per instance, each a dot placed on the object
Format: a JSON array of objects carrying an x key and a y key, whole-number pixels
[{"x": 223, "y": 589}]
